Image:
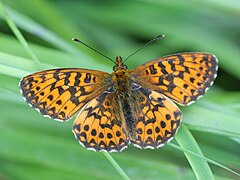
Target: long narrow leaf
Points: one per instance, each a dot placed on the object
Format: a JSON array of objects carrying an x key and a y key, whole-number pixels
[
  {"x": 199, "y": 166},
  {"x": 19, "y": 36}
]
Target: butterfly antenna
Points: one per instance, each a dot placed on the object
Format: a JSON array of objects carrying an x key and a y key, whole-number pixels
[
  {"x": 77, "y": 40},
  {"x": 145, "y": 45}
]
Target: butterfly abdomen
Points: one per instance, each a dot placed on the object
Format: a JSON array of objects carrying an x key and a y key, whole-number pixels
[{"x": 128, "y": 116}]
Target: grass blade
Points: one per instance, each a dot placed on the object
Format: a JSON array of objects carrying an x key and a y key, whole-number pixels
[
  {"x": 29, "y": 25},
  {"x": 217, "y": 117},
  {"x": 199, "y": 166},
  {"x": 116, "y": 166},
  {"x": 20, "y": 37},
  {"x": 202, "y": 157}
]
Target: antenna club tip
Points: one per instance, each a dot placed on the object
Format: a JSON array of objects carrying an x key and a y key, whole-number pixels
[
  {"x": 75, "y": 39},
  {"x": 161, "y": 36}
]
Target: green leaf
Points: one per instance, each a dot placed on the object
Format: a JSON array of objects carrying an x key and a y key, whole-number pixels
[
  {"x": 217, "y": 118},
  {"x": 20, "y": 37},
  {"x": 199, "y": 166}
]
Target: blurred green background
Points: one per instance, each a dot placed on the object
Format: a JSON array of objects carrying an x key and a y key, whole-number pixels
[{"x": 34, "y": 147}]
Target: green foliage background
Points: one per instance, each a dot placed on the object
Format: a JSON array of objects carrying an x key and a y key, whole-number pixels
[{"x": 34, "y": 147}]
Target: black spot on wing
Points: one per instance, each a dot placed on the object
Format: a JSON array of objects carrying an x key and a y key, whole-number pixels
[{"x": 87, "y": 79}]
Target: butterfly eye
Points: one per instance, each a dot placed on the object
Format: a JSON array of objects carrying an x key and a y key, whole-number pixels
[{"x": 114, "y": 68}]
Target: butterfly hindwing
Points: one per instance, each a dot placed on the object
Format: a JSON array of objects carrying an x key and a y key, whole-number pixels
[
  {"x": 60, "y": 93},
  {"x": 183, "y": 77},
  {"x": 100, "y": 125},
  {"x": 158, "y": 118}
]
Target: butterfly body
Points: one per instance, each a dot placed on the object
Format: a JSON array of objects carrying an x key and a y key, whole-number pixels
[
  {"x": 122, "y": 83},
  {"x": 126, "y": 105}
]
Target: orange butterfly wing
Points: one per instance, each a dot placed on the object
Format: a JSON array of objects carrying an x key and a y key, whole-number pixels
[
  {"x": 183, "y": 77},
  {"x": 60, "y": 93},
  {"x": 158, "y": 118},
  {"x": 100, "y": 125}
]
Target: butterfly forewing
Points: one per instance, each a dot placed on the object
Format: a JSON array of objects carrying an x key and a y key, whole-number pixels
[
  {"x": 60, "y": 93},
  {"x": 182, "y": 77},
  {"x": 100, "y": 125}
]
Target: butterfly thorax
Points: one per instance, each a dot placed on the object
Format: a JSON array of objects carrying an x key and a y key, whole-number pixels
[{"x": 120, "y": 77}]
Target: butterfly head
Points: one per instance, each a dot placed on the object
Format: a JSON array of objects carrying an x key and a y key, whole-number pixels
[{"x": 119, "y": 64}]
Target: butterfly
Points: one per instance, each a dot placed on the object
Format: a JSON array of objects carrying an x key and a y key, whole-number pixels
[{"x": 125, "y": 106}]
